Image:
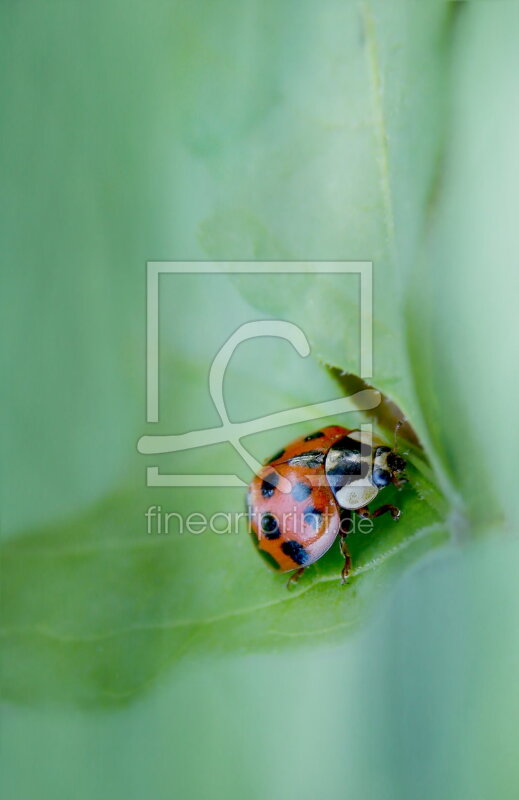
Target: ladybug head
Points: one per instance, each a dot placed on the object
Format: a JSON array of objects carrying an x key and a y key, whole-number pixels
[
  {"x": 396, "y": 463},
  {"x": 387, "y": 467}
]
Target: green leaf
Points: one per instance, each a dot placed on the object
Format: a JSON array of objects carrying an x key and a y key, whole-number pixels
[
  {"x": 260, "y": 130},
  {"x": 461, "y": 305},
  {"x": 94, "y": 607},
  {"x": 98, "y": 608},
  {"x": 368, "y": 179}
]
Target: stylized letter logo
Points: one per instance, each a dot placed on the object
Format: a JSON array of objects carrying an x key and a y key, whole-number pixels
[{"x": 233, "y": 432}]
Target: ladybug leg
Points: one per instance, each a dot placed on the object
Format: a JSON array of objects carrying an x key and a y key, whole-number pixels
[
  {"x": 366, "y": 513},
  {"x": 347, "y": 558},
  {"x": 399, "y": 482},
  {"x": 345, "y": 527},
  {"x": 294, "y": 577}
]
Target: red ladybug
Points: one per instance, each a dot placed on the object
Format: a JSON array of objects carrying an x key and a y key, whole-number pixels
[{"x": 304, "y": 496}]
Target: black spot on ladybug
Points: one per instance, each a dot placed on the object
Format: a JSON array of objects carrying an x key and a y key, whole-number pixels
[
  {"x": 295, "y": 551},
  {"x": 347, "y": 469},
  {"x": 352, "y": 446},
  {"x": 269, "y": 484},
  {"x": 310, "y": 459},
  {"x": 317, "y": 435},
  {"x": 348, "y": 466},
  {"x": 313, "y": 517},
  {"x": 347, "y": 443},
  {"x": 269, "y": 526},
  {"x": 301, "y": 491},
  {"x": 381, "y": 477},
  {"x": 347, "y": 459},
  {"x": 275, "y": 458}
]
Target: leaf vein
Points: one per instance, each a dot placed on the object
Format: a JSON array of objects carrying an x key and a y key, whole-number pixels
[{"x": 46, "y": 632}]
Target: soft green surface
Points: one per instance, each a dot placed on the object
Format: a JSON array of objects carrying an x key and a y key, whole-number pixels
[
  {"x": 178, "y": 665},
  {"x": 96, "y": 608}
]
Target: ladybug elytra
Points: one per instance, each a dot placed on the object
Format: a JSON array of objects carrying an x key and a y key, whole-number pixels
[{"x": 304, "y": 496}]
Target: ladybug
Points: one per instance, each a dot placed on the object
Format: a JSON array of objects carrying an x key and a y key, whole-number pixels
[{"x": 304, "y": 496}]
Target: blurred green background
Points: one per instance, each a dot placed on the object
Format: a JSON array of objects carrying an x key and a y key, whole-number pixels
[{"x": 178, "y": 666}]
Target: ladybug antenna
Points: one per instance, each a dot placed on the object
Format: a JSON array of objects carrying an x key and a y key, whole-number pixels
[{"x": 397, "y": 428}]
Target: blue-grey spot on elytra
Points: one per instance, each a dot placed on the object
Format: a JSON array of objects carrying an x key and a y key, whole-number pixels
[
  {"x": 269, "y": 484},
  {"x": 275, "y": 457},
  {"x": 295, "y": 551},
  {"x": 381, "y": 477},
  {"x": 317, "y": 435},
  {"x": 301, "y": 491},
  {"x": 269, "y": 526},
  {"x": 313, "y": 517}
]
